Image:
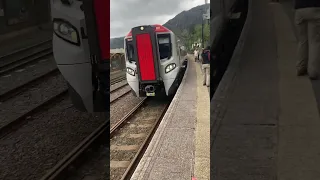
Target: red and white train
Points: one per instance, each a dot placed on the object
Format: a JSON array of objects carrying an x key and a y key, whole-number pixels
[{"x": 153, "y": 60}]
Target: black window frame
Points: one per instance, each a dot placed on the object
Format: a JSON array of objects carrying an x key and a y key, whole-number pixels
[
  {"x": 130, "y": 59},
  {"x": 170, "y": 44}
]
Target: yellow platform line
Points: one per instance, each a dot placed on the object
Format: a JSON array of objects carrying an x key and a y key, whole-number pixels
[{"x": 202, "y": 141}]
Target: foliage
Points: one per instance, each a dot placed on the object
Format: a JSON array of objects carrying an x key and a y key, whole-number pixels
[{"x": 196, "y": 35}]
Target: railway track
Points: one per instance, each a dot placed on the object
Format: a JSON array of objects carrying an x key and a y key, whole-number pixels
[
  {"x": 118, "y": 79},
  {"x": 12, "y": 92},
  {"x": 22, "y": 119},
  {"x": 71, "y": 164},
  {"x": 117, "y": 88},
  {"x": 32, "y": 100},
  {"x": 24, "y": 57},
  {"x": 128, "y": 141},
  {"x": 12, "y": 53},
  {"x": 77, "y": 155},
  {"x": 113, "y": 91}
]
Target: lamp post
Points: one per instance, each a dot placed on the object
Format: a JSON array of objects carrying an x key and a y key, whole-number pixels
[
  {"x": 202, "y": 40},
  {"x": 204, "y": 16}
]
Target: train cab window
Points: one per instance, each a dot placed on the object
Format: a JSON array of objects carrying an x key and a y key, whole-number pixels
[
  {"x": 164, "y": 44},
  {"x": 130, "y": 51}
]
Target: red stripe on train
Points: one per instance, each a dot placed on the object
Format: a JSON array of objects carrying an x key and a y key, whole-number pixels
[
  {"x": 102, "y": 12},
  {"x": 145, "y": 56}
]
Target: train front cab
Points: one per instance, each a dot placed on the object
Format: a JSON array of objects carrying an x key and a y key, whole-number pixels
[
  {"x": 153, "y": 60},
  {"x": 72, "y": 54}
]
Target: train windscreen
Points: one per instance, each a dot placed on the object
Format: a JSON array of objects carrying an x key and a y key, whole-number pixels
[
  {"x": 130, "y": 51},
  {"x": 165, "y": 48}
]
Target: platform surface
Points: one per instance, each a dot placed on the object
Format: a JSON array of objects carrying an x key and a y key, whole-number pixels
[
  {"x": 179, "y": 149},
  {"x": 264, "y": 119}
]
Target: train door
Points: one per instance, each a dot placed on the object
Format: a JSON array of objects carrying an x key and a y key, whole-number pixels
[
  {"x": 145, "y": 46},
  {"x": 97, "y": 19}
]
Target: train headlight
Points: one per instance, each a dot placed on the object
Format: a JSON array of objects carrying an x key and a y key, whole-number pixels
[
  {"x": 66, "y": 31},
  {"x": 170, "y": 67},
  {"x": 131, "y": 71}
]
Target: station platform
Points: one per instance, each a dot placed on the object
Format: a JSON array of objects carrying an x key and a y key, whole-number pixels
[
  {"x": 264, "y": 119},
  {"x": 179, "y": 149}
]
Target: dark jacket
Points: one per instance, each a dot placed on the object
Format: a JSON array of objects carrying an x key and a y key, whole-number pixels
[
  {"x": 205, "y": 57},
  {"x": 306, "y": 3}
]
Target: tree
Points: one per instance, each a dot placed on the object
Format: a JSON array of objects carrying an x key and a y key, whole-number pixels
[{"x": 196, "y": 35}]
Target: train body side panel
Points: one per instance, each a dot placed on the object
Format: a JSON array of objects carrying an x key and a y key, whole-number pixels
[
  {"x": 79, "y": 77},
  {"x": 169, "y": 78},
  {"x": 73, "y": 60}
]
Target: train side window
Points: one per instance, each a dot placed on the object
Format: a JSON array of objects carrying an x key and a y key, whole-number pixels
[
  {"x": 130, "y": 51},
  {"x": 165, "y": 48}
]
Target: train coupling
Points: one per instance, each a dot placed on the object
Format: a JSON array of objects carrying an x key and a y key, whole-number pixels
[{"x": 150, "y": 90}]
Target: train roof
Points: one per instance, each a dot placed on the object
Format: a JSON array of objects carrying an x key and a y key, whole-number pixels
[{"x": 159, "y": 28}]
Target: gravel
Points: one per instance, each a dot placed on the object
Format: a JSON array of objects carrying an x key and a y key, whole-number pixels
[
  {"x": 118, "y": 93},
  {"x": 26, "y": 74},
  {"x": 122, "y": 107},
  {"x": 38, "y": 145},
  {"x": 31, "y": 98},
  {"x": 97, "y": 168},
  {"x": 117, "y": 85}
]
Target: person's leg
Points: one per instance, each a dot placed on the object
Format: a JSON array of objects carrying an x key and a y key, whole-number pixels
[
  {"x": 208, "y": 75},
  {"x": 203, "y": 74},
  {"x": 302, "y": 33},
  {"x": 314, "y": 44}
]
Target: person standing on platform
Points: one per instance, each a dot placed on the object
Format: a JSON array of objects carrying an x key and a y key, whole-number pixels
[
  {"x": 206, "y": 66},
  {"x": 307, "y": 21},
  {"x": 196, "y": 55}
]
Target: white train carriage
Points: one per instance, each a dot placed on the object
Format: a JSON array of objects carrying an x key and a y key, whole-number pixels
[
  {"x": 79, "y": 57},
  {"x": 153, "y": 60}
]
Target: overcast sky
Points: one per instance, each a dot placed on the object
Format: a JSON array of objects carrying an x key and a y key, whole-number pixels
[{"x": 126, "y": 14}]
